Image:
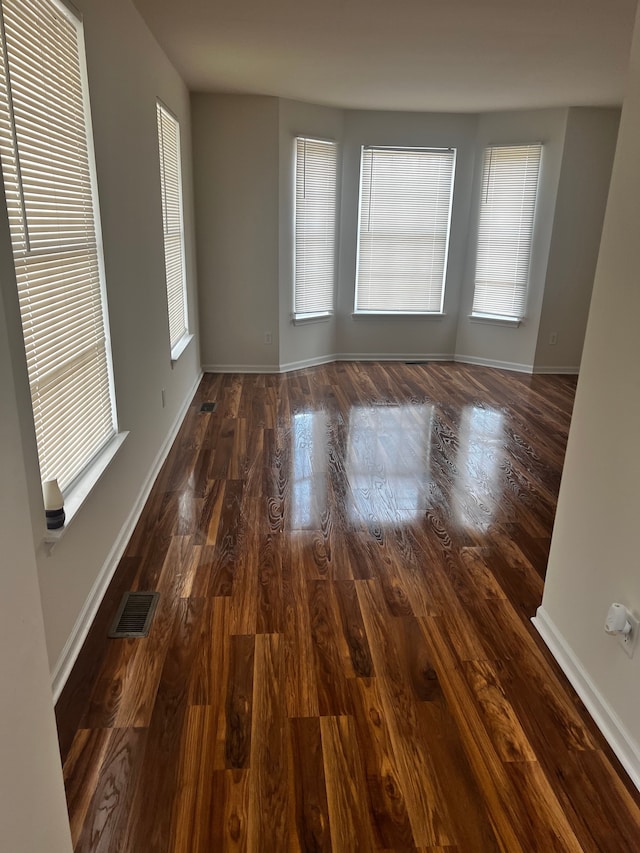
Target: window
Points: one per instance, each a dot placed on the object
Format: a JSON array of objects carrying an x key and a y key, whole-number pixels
[
  {"x": 315, "y": 226},
  {"x": 173, "y": 229},
  {"x": 507, "y": 213},
  {"x": 48, "y": 170},
  {"x": 405, "y": 213}
]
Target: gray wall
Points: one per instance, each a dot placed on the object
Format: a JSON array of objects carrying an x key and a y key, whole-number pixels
[
  {"x": 485, "y": 341},
  {"x": 236, "y": 160},
  {"x": 590, "y": 143},
  {"x": 33, "y": 813},
  {"x": 403, "y": 336},
  {"x": 127, "y": 71},
  {"x": 42, "y": 595},
  {"x": 244, "y": 215},
  {"x": 594, "y": 552},
  {"x": 306, "y": 341},
  {"x": 244, "y": 199}
]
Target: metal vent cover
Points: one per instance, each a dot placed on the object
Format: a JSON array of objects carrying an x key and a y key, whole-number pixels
[
  {"x": 208, "y": 407},
  {"x": 134, "y": 615}
]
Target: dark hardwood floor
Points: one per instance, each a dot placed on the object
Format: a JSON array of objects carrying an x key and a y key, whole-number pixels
[{"x": 342, "y": 659}]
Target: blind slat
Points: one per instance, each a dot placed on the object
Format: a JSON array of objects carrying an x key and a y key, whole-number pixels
[
  {"x": 47, "y": 170},
  {"x": 173, "y": 228},
  {"x": 505, "y": 233},
  {"x": 315, "y": 225},
  {"x": 405, "y": 212}
]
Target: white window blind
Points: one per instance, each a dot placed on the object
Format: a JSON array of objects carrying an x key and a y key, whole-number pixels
[
  {"x": 505, "y": 234},
  {"x": 405, "y": 213},
  {"x": 315, "y": 226},
  {"x": 173, "y": 230},
  {"x": 47, "y": 164}
]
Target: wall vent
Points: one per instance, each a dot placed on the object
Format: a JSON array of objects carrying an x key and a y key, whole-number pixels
[{"x": 134, "y": 615}]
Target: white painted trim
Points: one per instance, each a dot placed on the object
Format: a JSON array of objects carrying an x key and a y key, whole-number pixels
[
  {"x": 379, "y": 356},
  {"x": 384, "y": 356},
  {"x": 567, "y": 371},
  {"x": 494, "y": 320},
  {"x": 82, "y": 488},
  {"x": 181, "y": 346},
  {"x": 363, "y": 313},
  {"x": 325, "y": 359},
  {"x": 78, "y": 635},
  {"x": 240, "y": 368},
  {"x": 307, "y": 362},
  {"x": 492, "y": 362},
  {"x": 394, "y": 356},
  {"x": 304, "y": 319},
  {"x": 614, "y": 731}
]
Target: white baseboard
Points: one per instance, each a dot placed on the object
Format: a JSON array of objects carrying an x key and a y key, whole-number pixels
[
  {"x": 325, "y": 359},
  {"x": 78, "y": 635},
  {"x": 393, "y": 356},
  {"x": 615, "y": 733},
  {"x": 383, "y": 356},
  {"x": 307, "y": 362},
  {"x": 387, "y": 356},
  {"x": 492, "y": 362},
  {"x": 566, "y": 371},
  {"x": 240, "y": 368}
]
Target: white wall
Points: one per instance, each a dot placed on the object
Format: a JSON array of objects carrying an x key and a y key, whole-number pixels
[
  {"x": 127, "y": 71},
  {"x": 594, "y": 553},
  {"x": 589, "y": 146},
  {"x": 487, "y": 342},
  {"x": 236, "y": 200},
  {"x": 33, "y": 814},
  {"x": 310, "y": 341}
]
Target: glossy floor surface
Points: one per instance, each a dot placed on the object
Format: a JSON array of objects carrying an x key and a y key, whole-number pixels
[{"x": 342, "y": 659}]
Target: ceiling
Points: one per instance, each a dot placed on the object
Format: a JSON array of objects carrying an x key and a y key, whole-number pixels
[{"x": 443, "y": 55}]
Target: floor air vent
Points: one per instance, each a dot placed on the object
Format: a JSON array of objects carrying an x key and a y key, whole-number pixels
[
  {"x": 134, "y": 615},
  {"x": 208, "y": 407}
]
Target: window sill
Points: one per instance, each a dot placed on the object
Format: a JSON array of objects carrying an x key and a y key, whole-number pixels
[
  {"x": 303, "y": 319},
  {"x": 83, "y": 486},
  {"x": 180, "y": 347},
  {"x": 494, "y": 320},
  {"x": 398, "y": 314}
]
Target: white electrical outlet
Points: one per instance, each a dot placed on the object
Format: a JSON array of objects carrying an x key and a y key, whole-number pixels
[
  {"x": 553, "y": 338},
  {"x": 268, "y": 338},
  {"x": 164, "y": 399},
  {"x": 628, "y": 641}
]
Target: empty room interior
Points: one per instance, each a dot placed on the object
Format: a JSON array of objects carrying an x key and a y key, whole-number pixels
[{"x": 315, "y": 331}]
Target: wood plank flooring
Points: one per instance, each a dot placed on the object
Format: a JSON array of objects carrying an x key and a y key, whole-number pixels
[{"x": 342, "y": 659}]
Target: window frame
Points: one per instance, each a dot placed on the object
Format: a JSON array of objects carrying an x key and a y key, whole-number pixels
[
  {"x": 519, "y": 313},
  {"x": 79, "y": 481},
  {"x": 300, "y": 316},
  {"x": 178, "y": 345},
  {"x": 403, "y": 310}
]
